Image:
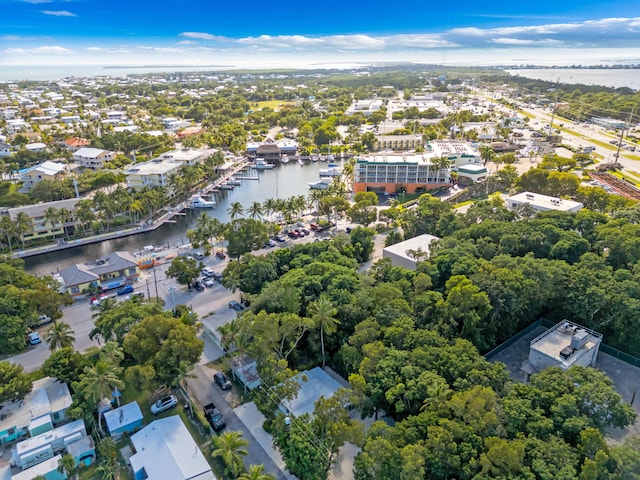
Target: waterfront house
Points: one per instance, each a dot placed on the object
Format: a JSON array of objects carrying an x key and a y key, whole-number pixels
[
  {"x": 165, "y": 449},
  {"x": 41, "y": 227},
  {"x": 38, "y": 412},
  {"x": 107, "y": 273},
  {"x": 124, "y": 419},
  {"x": 44, "y": 171},
  {"x": 152, "y": 174},
  {"x": 93, "y": 158}
]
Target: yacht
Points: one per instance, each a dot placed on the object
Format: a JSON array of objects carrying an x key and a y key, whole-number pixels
[
  {"x": 234, "y": 181},
  {"x": 300, "y": 161},
  {"x": 333, "y": 171},
  {"x": 198, "y": 202},
  {"x": 321, "y": 184},
  {"x": 284, "y": 159},
  {"x": 314, "y": 158},
  {"x": 261, "y": 164}
]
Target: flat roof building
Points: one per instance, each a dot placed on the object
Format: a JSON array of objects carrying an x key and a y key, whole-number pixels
[
  {"x": 314, "y": 384},
  {"x": 564, "y": 345},
  {"x": 166, "y": 450},
  {"x": 542, "y": 203},
  {"x": 457, "y": 152},
  {"x": 398, "y": 173},
  {"x": 407, "y": 254}
]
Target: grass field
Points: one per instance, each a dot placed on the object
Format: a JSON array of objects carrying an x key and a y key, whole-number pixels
[{"x": 273, "y": 104}]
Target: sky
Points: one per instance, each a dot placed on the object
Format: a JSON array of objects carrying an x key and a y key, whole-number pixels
[{"x": 263, "y": 34}]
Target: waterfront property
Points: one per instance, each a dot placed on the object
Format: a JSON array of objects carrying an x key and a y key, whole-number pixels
[
  {"x": 44, "y": 171},
  {"x": 152, "y": 174},
  {"x": 93, "y": 158},
  {"x": 108, "y": 273},
  {"x": 542, "y": 203},
  {"x": 41, "y": 226},
  {"x": 40, "y": 410},
  {"x": 166, "y": 449},
  {"x": 398, "y": 173},
  {"x": 272, "y": 150},
  {"x": 407, "y": 254}
]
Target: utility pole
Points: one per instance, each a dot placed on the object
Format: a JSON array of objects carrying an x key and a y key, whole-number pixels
[
  {"x": 155, "y": 279},
  {"x": 626, "y": 126}
]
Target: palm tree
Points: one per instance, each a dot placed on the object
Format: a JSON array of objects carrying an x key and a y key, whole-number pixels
[
  {"x": 51, "y": 215},
  {"x": 108, "y": 470},
  {"x": 66, "y": 464},
  {"x": 441, "y": 163},
  {"x": 486, "y": 153},
  {"x": 60, "y": 335},
  {"x": 112, "y": 353},
  {"x": 269, "y": 206},
  {"x": 7, "y": 228},
  {"x": 84, "y": 213},
  {"x": 228, "y": 446},
  {"x": 255, "y": 210},
  {"x": 98, "y": 382},
  {"x": 22, "y": 224},
  {"x": 256, "y": 472},
  {"x": 235, "y": 210},
  {"x": 323, "y": 313}
]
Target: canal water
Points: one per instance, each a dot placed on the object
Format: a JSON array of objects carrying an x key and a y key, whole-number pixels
[{"x": 283, "y": 181}]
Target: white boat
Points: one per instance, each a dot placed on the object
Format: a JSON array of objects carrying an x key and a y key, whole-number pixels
[
  {"x": 321, "y": 184},
  {"x": 314, "y": 158},
  {"x": 284, "y": 159},
  {"x": 234, "y": 181},
  {"x": 300, "y": 162},
  {"x": 262, "y": 165},
  {"x": 322, "y": 158},
  {"x": 330, "y": 158},
  {"x": 198, "y": 202},
  {"x": 330, "y": 172}
]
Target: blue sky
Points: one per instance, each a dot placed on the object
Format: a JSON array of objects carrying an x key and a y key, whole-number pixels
[{"x": 272, "y": 34}]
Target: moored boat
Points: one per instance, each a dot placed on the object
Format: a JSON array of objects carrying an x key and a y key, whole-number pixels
[
  {"x": 198, "y": 202},
  {"x": 261, "y": 164},
  {"x": 321, "y": 184}
]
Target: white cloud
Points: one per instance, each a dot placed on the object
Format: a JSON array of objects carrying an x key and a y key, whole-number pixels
[
  {"x": 51, "y": 49},
  {"x": 201, "y": 36},
  {"x": 520, "y": 41},
  {"x": 59, "y": 13},
  {"x": 187, "y": 42}
]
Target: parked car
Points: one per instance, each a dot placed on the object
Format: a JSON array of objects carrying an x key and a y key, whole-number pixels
[
  {"x": 222, "y": 381},
  {"x": 34, "y": 338},
  {"x": 42, "y": 320},
  {"x": 198, "y": 255},
  {"x": 214, "y": 417},
  {"x": 314, "y": 226},
  {"x": 236, "y": 306},
  {"x": 220, "y": 254},
  {"x": 198, "y": 285},
  {"x": 207, "y": 282},
  {"x": 126, "y": 289},
  {"x": 270, "y": 243},
  {"x": 293, "y": 234},
  {"x": 279, "y": 238},
  {"x": 217, "y": 276},
  {"x": 165, "y": 403},
  {"x": 207, "y": 272}
]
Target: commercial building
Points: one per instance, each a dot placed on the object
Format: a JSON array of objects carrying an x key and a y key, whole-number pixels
[
  {"x": 272, "y": 150},
  {"x": 458, "y": 153},
  {"x": 472, "y": 173},
  {"x": 407, "y": 254},
  {"x": 397, "y": 142},
  {"x": 542, "y": 203},
  {"x": 113, "y": 271},
  {"x": 365, "y": 106},
  {"x": 166, "y": 450},
  {"x": 398, "y": 173},
  {"x": 93, "y": 158},
  {"x": 564, "y": 345},
  {"x": 40, "y": 410}
]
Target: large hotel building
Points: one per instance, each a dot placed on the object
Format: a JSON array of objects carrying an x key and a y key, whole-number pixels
[{"x": 394, "y": 173}]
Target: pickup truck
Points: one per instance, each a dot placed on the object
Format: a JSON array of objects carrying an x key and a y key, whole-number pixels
[
  {"x": 215, "y": 418},
  {"x": 42, "y": 320}
]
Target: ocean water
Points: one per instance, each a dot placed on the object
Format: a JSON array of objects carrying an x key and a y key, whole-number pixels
[{"x": 615, "y": 78}]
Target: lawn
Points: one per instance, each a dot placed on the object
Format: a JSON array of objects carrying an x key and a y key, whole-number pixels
[{"x": 272, "y": 104}]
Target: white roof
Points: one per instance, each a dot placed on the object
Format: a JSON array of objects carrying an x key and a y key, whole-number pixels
[
  {"x": 40, "y": 469},
  {"x": 153, "y": 168},
  {"x": 318, "y": 384},
  {"x": 123, "y": 416},
  {"x": 166, "y": 449},
  {"x": 422, "y": 242},
  {"x": 544, "y": 202},
  {"x": 88, "y": 152}
]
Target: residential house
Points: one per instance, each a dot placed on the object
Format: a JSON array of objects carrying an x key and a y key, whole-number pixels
[
  {"x": 45, "y": 171},
  {"x": 165, "y": 449},
  {"x": 314, "y": 384},
  {"x": 92, "y": 158},
  {"x": 16, "y": 126},
  {"x": 48, "y": 469},
  {"x": 152, "y": 174},
  {"x": 41, "y": 227},
  {"x": 108, "y": 273},
  {"x": 408, "y": 253},
  {"x": 36, "y": 147},
  {"x": 40, "y": 410},
  {"x": 125, "y": 419},
  {"x": 5, "y": 150},
  {"x": 76, "y": 143}
]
